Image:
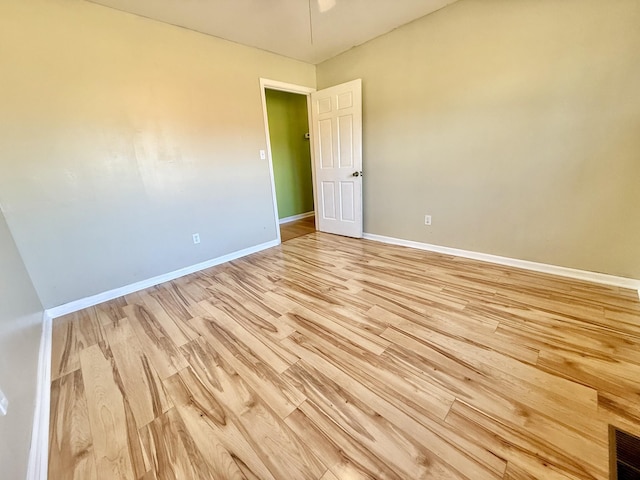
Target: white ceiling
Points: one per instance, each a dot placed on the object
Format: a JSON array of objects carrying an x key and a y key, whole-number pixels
[{"x": 282, "y": 26}]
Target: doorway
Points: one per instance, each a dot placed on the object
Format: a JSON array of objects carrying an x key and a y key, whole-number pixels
[
  {"x": 288, "y": 133},
  {"x": 335, "y": 127},
  {"x": 289, "y": 138}
]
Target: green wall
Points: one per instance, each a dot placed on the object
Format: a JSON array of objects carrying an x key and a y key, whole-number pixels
[{"x": 288, "y": 122}]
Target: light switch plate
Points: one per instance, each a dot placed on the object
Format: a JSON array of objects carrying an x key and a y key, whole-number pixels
[{"x": 4, "y": 403}]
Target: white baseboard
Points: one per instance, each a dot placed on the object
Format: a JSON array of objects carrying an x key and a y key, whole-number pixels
[
  {"x": 585, "y": 275},
  {"x": 83, "y": 303},
  {"x": 296, "y": 217},
  {"x": 39, "y": 453}
]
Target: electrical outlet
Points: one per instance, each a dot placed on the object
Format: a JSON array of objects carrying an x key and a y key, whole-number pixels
[
  {"x": 196, "y": 238},
  {"x": 263, "y": 155},
  {"x": 427, "y": 219},
  {"x": 4, "y": 403}
]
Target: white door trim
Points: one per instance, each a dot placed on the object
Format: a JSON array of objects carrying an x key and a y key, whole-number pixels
[{"x": 291, "y": 88}]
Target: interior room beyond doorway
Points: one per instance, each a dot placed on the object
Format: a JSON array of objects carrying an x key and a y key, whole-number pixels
[{"x": 290, "y": 150}]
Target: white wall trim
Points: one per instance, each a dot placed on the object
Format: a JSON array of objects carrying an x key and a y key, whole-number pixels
[
  {"x": 585, "y": 275},
  {"x": 285, "y": 87},
  {"x": 39, "y": 453},
  {"x": 83, "y": 303},
  {"x": 293, "y": 218}
]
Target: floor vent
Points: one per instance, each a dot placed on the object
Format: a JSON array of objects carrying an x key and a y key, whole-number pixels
[{"x": 624, "y": 456}]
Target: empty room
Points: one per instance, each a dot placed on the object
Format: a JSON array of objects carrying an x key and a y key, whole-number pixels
[{"x": 319, "y": 239}]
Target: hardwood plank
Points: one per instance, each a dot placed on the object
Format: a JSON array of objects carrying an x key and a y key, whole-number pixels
[
  {"x": 498, "y": 367},
  {"x": 275, "y": 390},
  {"x": 111, "y": 311},
  {"x": 618, "y": 411},
  {"x": 529, "y": 452},
  {"x": 228, "y": 452},
  {"x": 176, "y": 302},
  {"x": 318, "y": 299},
  {"x": 193, "y": 287},
  {"x": 475, "y": 333},
  {"x": 370, "y": 427},
  {"x": 353, "y": 329},
  {"x": 326, "y": 277},
  {"x": 272, "y": 440},
  {"x": 491, "y": 388},
  {"x": 167, "y": 315},
  {"x": 254, "y": 316},
  {"x": 141, "y": 384},
  {"x": 598, "y": 371},
  {"x": 119, "y": 331},
  {"x": 70, "y": 439},
  {"x": 172, "y": 452},
  {"x": 350, "y": 458},
  {"x": 155, "y": 340},
  {"x": 330, "y": 476},
  {"x": 242, "y": 288},
  {"x": 254, "y": 275},
  {"x": 422, "y": 296},
  {"x": 410, "y": 366},
  {"x": 514, "y": 472},
  {"x": 267, "y": 349},
  {"x": 349, "y": 404},
  {"x": 548, "y": 334},
  {"x": 425, "y": 398},
  {"x": 391, "y": 305},
  {"x": 71, "y": 334},
  {"x": 150, "y": 475},
  {"x": 116, "y": 443}
]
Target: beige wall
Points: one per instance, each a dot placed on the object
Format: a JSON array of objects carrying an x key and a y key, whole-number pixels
[
  {"x": 120, "y": 137},
  {"x": 515, "y": 123},
  {"x": 20, "y": 330}
]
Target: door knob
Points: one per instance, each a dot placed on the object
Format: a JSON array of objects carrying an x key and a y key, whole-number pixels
[{"x": 356, "y": 174}]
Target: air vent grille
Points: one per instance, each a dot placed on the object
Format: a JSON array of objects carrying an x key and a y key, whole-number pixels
[{"x": 625, "y": 455}]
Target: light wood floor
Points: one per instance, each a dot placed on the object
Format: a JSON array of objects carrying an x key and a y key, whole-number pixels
[
  {"x": 297, "y": 229},
  {"x": 335, "y": 358}
]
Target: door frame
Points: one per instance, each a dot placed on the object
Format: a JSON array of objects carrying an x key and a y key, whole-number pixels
[{"x": 265, "y": 84}]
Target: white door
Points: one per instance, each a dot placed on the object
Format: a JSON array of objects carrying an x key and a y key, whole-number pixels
[{"x": 336, "y": 117}]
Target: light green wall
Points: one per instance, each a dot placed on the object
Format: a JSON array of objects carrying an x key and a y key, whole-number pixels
[
  {"x": 20, "y": 330},
  {"x": 121, "y": 137},
  {"x": 514, "y": 123},
  {"x": 288, "y": 122}
]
